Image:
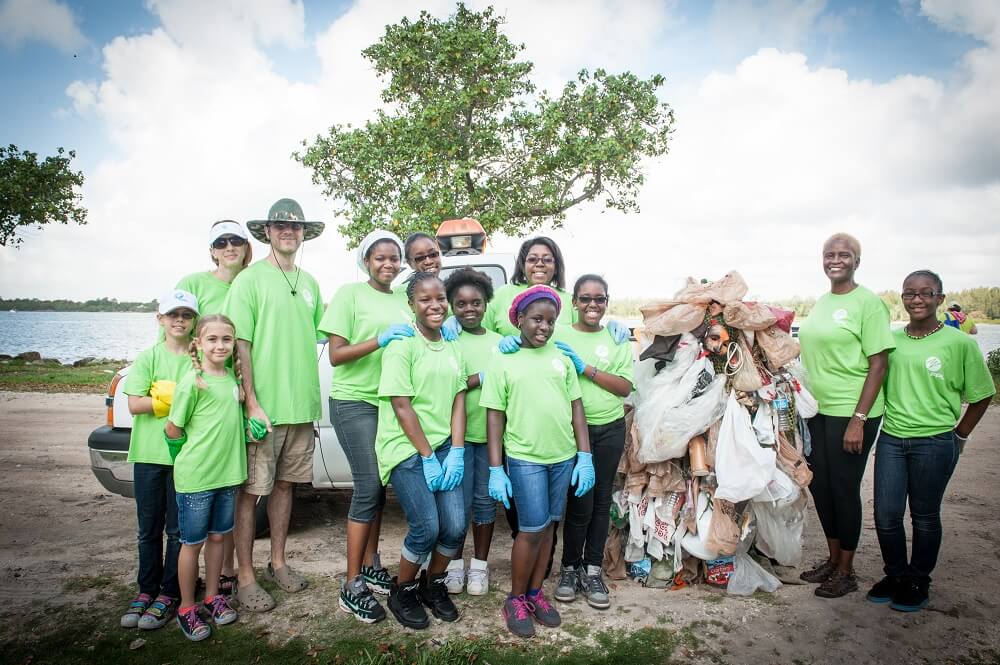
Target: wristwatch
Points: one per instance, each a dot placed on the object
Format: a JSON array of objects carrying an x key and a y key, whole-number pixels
[{"x": 863, "y": 417}]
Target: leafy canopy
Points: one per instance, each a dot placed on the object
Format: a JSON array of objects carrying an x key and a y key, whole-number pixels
[
  {"x": 464, "y": 135},
  {"x": 34, "y": 193}
]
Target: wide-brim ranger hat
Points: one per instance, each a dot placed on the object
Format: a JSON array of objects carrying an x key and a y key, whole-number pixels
[{"x": 285, "y": 210}]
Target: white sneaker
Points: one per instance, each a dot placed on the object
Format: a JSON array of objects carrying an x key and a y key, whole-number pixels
[
  {"x": 479, "y": 578},
  {"x": 455, "y": 576}
]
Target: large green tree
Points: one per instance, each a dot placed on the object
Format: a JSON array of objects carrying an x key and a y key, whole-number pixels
[
  {"x": 35, "y": 193},
  {"x": 464, "y": 134}
]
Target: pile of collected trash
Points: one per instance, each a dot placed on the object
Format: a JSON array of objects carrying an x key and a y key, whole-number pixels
[{"x": 712, "y": 481}]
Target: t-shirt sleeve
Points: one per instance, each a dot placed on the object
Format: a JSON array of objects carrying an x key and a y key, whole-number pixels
[
  {"x": 240, "y": 306},
  {"x": 140, "y": 375},
  {"x": 572, "y": 381},
  {"x": 396, "y": 380},
  {"x": 339, "y": 317},
  {"x": 623, "y": 365},
  {"x": 978, "y": 381},
  {"x": 185, "y": 398},
  {"x": 318, "y": 310},
  {"x": 876, "y": 334},
  {"x": 494, "y": 389}
]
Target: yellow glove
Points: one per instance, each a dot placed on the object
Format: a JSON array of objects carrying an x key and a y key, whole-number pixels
[{"x": 162, "y": 393}]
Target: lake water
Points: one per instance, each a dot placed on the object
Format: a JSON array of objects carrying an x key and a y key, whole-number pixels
[{"x": 69, "y": 336}]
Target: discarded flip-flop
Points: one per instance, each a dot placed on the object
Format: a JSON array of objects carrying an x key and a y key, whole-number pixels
[
  {"x": 286, "y": 578},
  {"x": 254, "y": 598}
]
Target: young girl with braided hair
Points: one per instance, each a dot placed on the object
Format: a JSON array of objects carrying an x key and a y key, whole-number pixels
[{"x": 205, "y": 434}]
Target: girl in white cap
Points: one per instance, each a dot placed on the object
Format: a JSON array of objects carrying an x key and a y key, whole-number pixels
[
  {"x": 150, "y": 386},
  {"x": 361, "y": 320}
]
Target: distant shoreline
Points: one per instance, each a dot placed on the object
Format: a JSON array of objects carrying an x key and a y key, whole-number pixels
[{"x": 112, "y": 305}]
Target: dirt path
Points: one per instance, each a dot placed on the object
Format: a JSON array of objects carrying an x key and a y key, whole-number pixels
[{"x": 57, "y": 524}]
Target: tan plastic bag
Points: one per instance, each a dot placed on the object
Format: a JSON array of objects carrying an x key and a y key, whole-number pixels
[
  {"x": 727, "y": 289},
  {"x": 779, "y": 347},
  {"x": 745, "y": 375},
  {"x": 670, "y": 318},
  {"x": 791, "y": 461},
  {"x": 723, "y": 531},
  {"x": 748, "y": 315}
]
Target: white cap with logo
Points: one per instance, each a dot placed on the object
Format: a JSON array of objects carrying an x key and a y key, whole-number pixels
[{"x": 177, "y": 299}]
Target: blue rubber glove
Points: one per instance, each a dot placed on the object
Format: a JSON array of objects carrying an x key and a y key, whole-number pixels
[
  {"x": 433, "y": 473},
  {"x": 619, "y": 332},
  {"x": 451, "y": 329},
  {"x": 499, "y": 486},
  {"x": 509, "y": 344},
  {"x": 583, "y": 474},
  {"x": 454, "y": 469},
  {"x": 572, "y": 355},
  {"x": 398, "y": 331}
]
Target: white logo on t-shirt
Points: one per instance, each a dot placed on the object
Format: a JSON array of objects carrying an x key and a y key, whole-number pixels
[
  {"x": 840, "y": 316},
  {"x": 602, "y": 354},
  {"x": 559, "y": 366},
  {"x": 934, "y": 365},
  {"x": 308, "y": 297},
  {"x": 236, "y": 393},
  {"x": 454, "y": 363}
]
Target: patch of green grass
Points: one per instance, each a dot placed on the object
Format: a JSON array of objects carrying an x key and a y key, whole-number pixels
[
  {"x": 65, "y": 636},
  {"x": 578, "y": 630},
  {"x": 19, "y": 375},
  {"x": 88, "y": 583}
]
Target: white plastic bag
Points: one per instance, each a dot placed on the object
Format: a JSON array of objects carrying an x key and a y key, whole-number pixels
[
  {"x": 763, "y": 426},
  {"x": 805, "y": 404},
  {"x": 664, "y": 433},
  {"x": 694, "y": 543},
  {"x": 779, "y": 529},
  {"x": 782, "y": 490},
  {"x": 648, "y": 382},
  {"x": 742, "y": 466},
  {"x": 748, "y": 576}
]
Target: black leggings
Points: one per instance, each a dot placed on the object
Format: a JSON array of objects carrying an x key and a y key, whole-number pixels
[
  {"x": 587, "y": 517},
  {"x": 837, "y": 474}
]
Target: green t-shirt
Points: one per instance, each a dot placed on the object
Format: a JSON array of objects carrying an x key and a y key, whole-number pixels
[
  {"x": 215, "y": 454},
  {"x": 837, "y": 338},
  {"x": 599, "y": 350},
  {"x": 359, "y": 313},
  {"x": 478, "y": 352},
  {"x": 927, "y": 380},
  {"x": 496, "y": 312},
  {"x": 156, "y": 363},
  {"x": 282, "y": 330},
  {"x": 208, "y": 289},
  {"x": 431, "y": 379},
  {"x": 535, "y": 388}
]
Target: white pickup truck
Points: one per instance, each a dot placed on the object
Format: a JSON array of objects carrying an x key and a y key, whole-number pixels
[{"x": 108, "y": 444}]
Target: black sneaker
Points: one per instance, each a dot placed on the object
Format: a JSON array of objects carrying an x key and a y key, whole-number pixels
[
  {"x": 911, "y": 595},
  {"x": 433, "y": 593},
  {"x": 376, "y": 577},
  {"x": 884, "y": 590},
  {"x": 357, "y": 599},
  {"x": 404, "y": 603}
]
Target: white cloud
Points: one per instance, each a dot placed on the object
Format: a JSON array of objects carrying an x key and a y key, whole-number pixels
[
  {"x": 46, "y": 21},
  {"x": 770, "y": 156}
]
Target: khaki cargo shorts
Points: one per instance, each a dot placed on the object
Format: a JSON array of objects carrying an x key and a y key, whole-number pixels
[{"x": 286, "y": 454}]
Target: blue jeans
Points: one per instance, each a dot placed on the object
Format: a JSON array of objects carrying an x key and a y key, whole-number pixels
[
  {"x": 156, "y": 512},
  {"x": 202, "y": 513},
  {"x": 356, "y": 424},
  {"x": 475, "y": 485},
  {"x": 539, "y": 491},
  {"x": 436, "y": 520},
  {"x": 918, "y": 470}
]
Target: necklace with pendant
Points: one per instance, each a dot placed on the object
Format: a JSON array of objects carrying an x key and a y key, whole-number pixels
[
  {"x": 926, "y": 334},
  {"x": 432, "y": 345}
]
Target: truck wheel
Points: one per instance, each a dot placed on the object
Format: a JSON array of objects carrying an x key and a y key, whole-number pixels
[{"x": 261, "y": 524}]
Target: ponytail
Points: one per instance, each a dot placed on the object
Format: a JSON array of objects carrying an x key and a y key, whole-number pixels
[
  {"x": 196, "y": 363},
  {"x": 238, "y": 371}
]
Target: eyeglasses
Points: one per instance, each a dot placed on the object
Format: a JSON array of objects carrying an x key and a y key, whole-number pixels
[
  {"x": 420, "y": 258},
  {"x": 597, "y": 300},
  {"x": 923, "y": 295},
  {"x": 546, "y": 260},
  {"x": 284, "y": 226},
  {"x": 187, "y": 316},
  {"x": 232, "y": 241}
]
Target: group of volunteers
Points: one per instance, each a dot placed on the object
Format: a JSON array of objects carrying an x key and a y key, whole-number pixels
[{"x": 460, "y": 396}]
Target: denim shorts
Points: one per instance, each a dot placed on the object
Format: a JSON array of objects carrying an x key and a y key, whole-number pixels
[
  {"x": 475, "y": 485},
  {"x": 202, "y": 513},
  {"x": 539, "y": 491}
]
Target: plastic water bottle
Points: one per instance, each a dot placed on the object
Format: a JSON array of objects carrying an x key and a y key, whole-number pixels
[{"x": 780, "y": 405}]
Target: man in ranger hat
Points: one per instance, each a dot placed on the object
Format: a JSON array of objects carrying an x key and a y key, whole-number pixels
[{"x": 276, "y": 307}]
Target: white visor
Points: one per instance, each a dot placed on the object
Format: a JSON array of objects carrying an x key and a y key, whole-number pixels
[
  {"x": 226, "y": 229},
  {"x": 177, "y": 299}
]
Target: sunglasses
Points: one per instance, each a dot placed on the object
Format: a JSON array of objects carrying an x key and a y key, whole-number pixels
[
  {"x": 597, "y": 300},
  {"x": 284, "y": 226},
  {"x": 420, "y": 258},
  {"x": 232, "y": 241},
  {"x": 187, "y": 316}
]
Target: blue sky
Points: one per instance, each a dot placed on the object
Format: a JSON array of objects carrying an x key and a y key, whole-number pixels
[{"x": 795, "y": 117}]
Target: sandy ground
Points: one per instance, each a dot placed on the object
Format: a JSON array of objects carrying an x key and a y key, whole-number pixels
[{"x": 58, "y": 524}]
